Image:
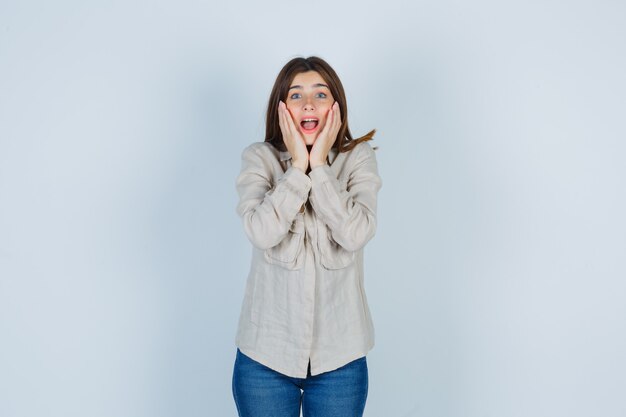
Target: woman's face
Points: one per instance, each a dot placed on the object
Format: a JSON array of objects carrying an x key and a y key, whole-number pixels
[{"x": 308, "y": 101}]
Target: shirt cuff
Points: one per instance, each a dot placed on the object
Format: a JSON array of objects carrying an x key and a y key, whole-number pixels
[
  {"x": 321, "y": 174},
  {"x": 297, "y": 182}
]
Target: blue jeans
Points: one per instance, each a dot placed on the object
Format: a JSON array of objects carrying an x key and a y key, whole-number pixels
[{"x": 262, "y": 392}]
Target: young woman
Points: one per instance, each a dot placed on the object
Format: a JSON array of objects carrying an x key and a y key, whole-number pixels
[{"x": 307, "y": 197}]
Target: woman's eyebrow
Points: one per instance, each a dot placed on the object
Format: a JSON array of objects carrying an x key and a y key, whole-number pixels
[{"x": 314, "y": 86}]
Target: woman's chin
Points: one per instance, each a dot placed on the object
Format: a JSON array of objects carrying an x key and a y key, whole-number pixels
[{"x": 309, "y": 139}]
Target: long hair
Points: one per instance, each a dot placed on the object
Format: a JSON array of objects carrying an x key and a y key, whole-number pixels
[{"x": 273, "y": 134}]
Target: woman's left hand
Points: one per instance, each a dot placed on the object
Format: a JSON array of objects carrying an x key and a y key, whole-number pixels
[{"x": 326, "y": 138}]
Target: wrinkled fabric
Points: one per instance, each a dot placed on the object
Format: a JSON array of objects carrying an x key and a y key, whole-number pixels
[{"x": 304, "y": 299}]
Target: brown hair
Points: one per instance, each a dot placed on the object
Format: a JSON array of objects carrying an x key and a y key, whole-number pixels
[{"x": 285, "y": 77}]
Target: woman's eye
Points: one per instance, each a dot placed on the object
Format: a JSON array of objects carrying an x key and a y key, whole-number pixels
[
  {"x": 295, "y": 96},
  {"x": 321, "y": 95}
]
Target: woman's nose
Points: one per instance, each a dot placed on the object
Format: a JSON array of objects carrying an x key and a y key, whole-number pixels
[{"x": 308, "y": 105}]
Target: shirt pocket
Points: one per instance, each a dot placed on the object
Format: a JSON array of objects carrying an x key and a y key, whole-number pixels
[
  {"x": 332, "y": 255},
  {"x": 289, "y": 252}
]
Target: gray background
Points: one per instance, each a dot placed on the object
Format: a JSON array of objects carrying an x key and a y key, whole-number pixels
[{"x": 496, "y": 279}]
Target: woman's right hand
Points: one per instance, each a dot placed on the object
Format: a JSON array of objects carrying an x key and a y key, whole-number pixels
[{"x": 293, "y": 139}]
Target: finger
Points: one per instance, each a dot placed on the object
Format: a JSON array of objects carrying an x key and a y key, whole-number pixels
[
  {"x": 337, "y": 112},
  {"x": 336, "y": 122},
  {"x": 281, "y": 117},
  {"x": 289, "y": 131},
  {"x": 333, "y": 127},
  {"x": 291, "y": 123},
  {"x": 329, "y": 121}
]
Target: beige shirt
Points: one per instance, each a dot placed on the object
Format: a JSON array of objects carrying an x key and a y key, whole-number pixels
[{"x": 304, "y": 297}]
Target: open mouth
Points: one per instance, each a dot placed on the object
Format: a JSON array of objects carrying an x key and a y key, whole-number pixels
[{"x": 309, "y": 124}]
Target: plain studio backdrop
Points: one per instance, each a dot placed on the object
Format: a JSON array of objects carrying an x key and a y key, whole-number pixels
[{"x": 496, "y": 280}]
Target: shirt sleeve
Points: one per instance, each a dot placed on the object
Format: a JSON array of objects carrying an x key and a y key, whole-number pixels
[
  {"x": 349, "y": 211},
  {"x": 269, "y": 206}
]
